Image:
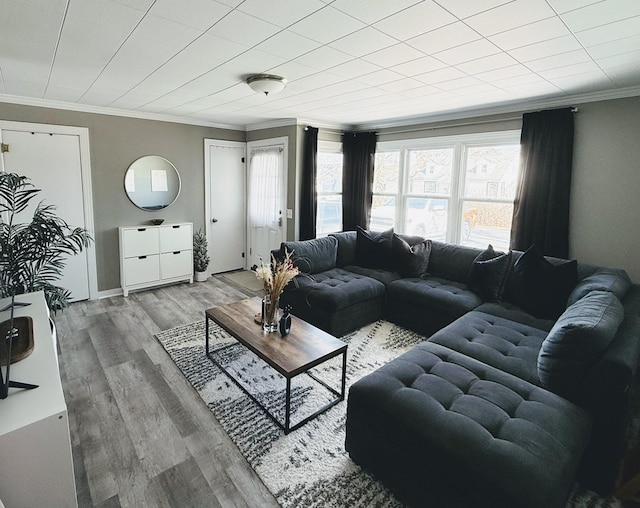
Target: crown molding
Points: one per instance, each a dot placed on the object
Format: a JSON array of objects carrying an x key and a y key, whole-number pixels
[
  {"x": 271, "y": 124},
  {"x": 504, "y": 108},
  {"x": 101, "y": 110}
]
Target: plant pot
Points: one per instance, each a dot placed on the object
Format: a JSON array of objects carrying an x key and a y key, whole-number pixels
[{"x": 201, "y": 276}]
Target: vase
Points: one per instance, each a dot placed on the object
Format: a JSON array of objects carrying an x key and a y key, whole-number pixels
[{"x": 270, "y": 314}]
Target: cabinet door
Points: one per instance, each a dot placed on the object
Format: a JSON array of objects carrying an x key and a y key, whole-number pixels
[
  {"x": 140, "y": 242},
  {"x": 176, "y": 264},
  {"x": 176, "y": 237},
  {"x": 141, "y": 269}
]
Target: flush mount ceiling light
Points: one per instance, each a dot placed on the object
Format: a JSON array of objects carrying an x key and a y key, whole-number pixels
[{"x": 266, "y": 83}]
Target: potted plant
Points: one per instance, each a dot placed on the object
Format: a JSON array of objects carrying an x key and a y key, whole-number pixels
[
  {"x": 200, "y": 255},
  {"x": 33, "y": 254}
]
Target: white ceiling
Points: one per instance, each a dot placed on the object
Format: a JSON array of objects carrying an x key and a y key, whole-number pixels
[{"x": 347, "y": 62}]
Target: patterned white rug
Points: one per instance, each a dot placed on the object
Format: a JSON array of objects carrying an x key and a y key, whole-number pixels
[{"x": 309, "y": 467}]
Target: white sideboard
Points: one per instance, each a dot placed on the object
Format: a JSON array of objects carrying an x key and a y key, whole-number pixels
[
  {"x": 36, "y": 464},
  {"x": 154, "y": 255}
]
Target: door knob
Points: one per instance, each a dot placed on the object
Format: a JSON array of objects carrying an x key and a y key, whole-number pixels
[{"x": 214, "y": 220}]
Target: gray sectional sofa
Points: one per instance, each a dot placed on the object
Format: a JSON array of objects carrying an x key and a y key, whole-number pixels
[{"x": 522, "y": 384}]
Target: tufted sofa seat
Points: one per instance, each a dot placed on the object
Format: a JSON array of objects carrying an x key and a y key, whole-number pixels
[{"x": 478, "y": 435}]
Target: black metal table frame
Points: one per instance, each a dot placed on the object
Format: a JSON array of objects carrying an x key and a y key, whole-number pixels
[{"x": 286, "y": 426}]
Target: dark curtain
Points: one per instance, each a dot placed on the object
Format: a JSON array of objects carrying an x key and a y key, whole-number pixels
[
  {"x": 309, "y": 196},
  {"x": 541, "y": 208},
  {"x": 358, "y": 150}
]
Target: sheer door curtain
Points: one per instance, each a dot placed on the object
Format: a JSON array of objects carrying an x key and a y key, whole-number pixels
[{"x": 264, "y": 188}]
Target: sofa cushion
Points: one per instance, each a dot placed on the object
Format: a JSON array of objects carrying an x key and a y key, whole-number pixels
[
  {"x": 465, "y": 428},
  {"x": 506, "y": 345},
  {"x": 512, "y": 312},
  {"x": 335, "y": 289},
  {"x": 539, "y": 286},
  {"x": 373, "y": 249},
  {"x": 604, "y": 279},
  {"x": 346, "y": 248},
  {"x": 384, "y": 276},
  {"x": 450, "y": 261},
  {"x": 313, "y": 256},
  {"x": 489, "y": 273},
  {"x": 447, "y": 297},
  {"x": 577, "y": 340},
  {"x": 410, "y": 260}
]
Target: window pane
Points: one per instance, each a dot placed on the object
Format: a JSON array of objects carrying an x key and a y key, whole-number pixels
[
  {"x": 430, "y": 171},
  {"x": 492, "y": 172},
  {"x": 329, "y": 218},
  {"x": 427, "y": 217},
  {"x": 386, "y": 172},
  {"x": 383, "y": 213},
  {"x": 486, "y": 223},
  {"x": 329, "y": 175}
]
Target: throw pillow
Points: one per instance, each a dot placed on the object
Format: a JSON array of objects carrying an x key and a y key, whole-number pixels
[
  {"x": 313, "y": 256},
  {"x": 410, "y": 260},
  {"x": 488, "y": 274},
  {"x": 373, "y": 249},
  {"x": 577, "y": 340},
  {"x": 540, "y": 287}
]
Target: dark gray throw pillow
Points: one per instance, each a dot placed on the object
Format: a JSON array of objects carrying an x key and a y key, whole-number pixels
[
  {"x": 373, "y": 249},
  {"x": 313, "y": 256},
  {"x": 540, "y": 287},
  {"x": 488, "y": 274},
  {"x": 410, "y": 260},
  {"x": 577, "y": 340}
]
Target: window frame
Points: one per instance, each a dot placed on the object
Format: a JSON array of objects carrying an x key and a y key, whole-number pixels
[{"x": 456, "y": 198}]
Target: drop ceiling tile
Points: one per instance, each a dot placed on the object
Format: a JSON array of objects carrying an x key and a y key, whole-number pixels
[
  {"x": 631, "y": 59},
  {"x": 546, "y": 49},
  {"x": 435, "y": 77},
  {"x": 487, "y": 63},
  {"x": 243, "y": 29},
  {"x": 619, "y": 30},
  {"x": 569, "y": 70},
  {"x": 618, "y": 47},
  {"x": 534, "y": 90},
  {"x": 625, "y": 75},
  {"x": 323, "y": 58},
  {"x": 444, "y": 38},
  {"x": 327, "y": 25},
  {"x": 466, "y": 52},
  {"x": 287, "y": 45},
  {"x": 523, "y": 79},
  {"x": 230, "y": 3},
  {"x": 497, "y": 75},
  {"x": 418, "y": 66},
  {"x": 526, "y": 35},
  {"x": 201, "y": 14},
  {"x": 415, "y": 20},
  {"x": 601, "y": 13},
  {"x": 354, "y": 68},
  {"x": 371, "y": 11},
  {"x": 562, "y": 6},
  {"x": 292, "y": 70},
  {"x": 421, "y": 92},
  {"x": 509, "y": 16},
  {"x": 401, "y": 85},
  {"x": 380, "y": 77},
  {"x": 280, "y": 12},
  {"x": 465, "y": 9},
  {"x": 363, "y": 42},
  {"x": 393, "y": 55},
  {"x": 463, "y": 82},
  {"x": 564, "y": 59},
  {"x": 61, "y": 93},
  {"x": 583, "y": 83}
]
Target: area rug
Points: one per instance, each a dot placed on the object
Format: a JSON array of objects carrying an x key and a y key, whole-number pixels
[{"x": 309, "y": 467}]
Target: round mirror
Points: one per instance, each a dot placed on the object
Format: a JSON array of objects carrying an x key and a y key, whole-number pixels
[{"x": 152, "y": 183}]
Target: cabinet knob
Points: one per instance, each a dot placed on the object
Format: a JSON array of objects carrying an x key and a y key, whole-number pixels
[{"x": 214, "y": 220}]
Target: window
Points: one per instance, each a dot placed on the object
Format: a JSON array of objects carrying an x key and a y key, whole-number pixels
[
  {"x": 329, "y": 188},
  {"x": 455, "y": 189}
]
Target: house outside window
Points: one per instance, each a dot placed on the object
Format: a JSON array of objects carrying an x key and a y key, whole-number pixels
[
  {"x": 456, "y": 189},
  {"x": 329, "y": 188}
]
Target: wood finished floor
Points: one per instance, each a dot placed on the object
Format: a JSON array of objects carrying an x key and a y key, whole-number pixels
[{"x": 141, "y": 436}]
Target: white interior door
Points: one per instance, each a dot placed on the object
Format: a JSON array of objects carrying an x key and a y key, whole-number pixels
[
  {"x": 266, "y": 221},
  {"x": 225, "y": 180},
  {"x": 53, "y": 163}
]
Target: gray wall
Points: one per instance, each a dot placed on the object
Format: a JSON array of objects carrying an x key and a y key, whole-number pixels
[{"x": 115, "y": 143}]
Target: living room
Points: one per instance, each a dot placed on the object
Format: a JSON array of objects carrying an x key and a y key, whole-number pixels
[{"x": 605, "y": 176}]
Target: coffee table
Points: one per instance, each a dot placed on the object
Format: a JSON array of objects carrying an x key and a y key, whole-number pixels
[{"x": 304, "y": 348}]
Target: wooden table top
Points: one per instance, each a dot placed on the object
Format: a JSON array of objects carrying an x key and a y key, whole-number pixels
[{"x": 305, "y": 347}]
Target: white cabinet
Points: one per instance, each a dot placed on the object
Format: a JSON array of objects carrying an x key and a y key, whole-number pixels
[
  {"x": 154, "y": 255},
  {"x": 36, "y": 464}
]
